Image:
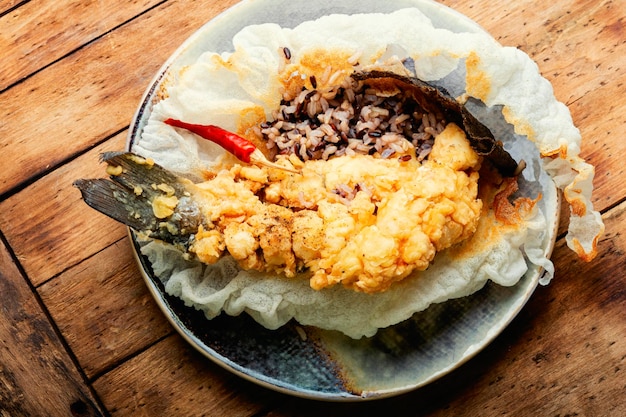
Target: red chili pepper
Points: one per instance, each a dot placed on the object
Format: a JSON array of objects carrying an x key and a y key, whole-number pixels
[
  {"x": 233, "y": 143},
  {"x": 242, "y": 148}
]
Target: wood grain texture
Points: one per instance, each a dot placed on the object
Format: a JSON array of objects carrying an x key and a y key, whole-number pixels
[
  {"x": 172, "y": 379},
  {"x": 39, "y": 33},
  {"x": 586, "y": 78},
  {"x": 118, "y": 316},
  {"x": 37, "y": 377},
  {"x": 48, "y": 225},
  {"x": 86, "y": 305},
  {"x": 8, "y": 5},
  {"x": 92, "y": 93}
]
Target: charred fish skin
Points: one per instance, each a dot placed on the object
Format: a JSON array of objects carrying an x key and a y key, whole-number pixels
[
  {"x": 436, "y": 99},
  {"x": 145, "y": 197}
]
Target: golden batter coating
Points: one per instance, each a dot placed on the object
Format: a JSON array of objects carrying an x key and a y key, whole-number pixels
[{"x": 360, "y": 221}]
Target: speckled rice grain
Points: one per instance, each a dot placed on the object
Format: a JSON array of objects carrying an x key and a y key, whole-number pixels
[{"x": 350, "y": 119}]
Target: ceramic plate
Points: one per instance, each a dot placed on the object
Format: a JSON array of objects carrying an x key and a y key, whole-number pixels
[{"x": 326, "y": 365}]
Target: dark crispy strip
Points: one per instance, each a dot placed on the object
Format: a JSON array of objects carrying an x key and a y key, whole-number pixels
[{"x": 436, "y": 100}]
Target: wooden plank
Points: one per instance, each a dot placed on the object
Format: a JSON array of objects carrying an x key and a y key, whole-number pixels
[
  {"x": 36, "y": 374},
  {"x": 117, "y": 315},
  {"x": 6, "y": 5},
  {"x": 562, "y": 53},
  {"x": 50, "y": 228},
  {"x": 38, "y": 33},
  {"x": 603, "y": 128},
  {"x": 556, "y": 35},
  {"x": 172, "y": 379},
  {"x": 79, "y": 114}
]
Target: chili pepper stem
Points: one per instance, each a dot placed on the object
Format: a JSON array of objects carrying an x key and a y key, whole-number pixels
[
  {"x": 241, "y": 148},
  {"x": 258, "y": 158}
]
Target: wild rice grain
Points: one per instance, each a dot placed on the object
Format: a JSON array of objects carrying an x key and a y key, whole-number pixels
[
  {"x": 287, "y": 53},
  {"x": 349, "y": 118}
]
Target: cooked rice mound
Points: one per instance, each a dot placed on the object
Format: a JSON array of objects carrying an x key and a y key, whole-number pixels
[
  {"x": 350, "y": 118},
  {"x": 500, "y": 85}
]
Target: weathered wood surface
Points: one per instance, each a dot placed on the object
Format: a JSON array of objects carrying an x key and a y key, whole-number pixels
[
  {"x": 91, "y": 94},
  {"x": 80, "y": 332},
  {"x": 37, "y": 374},
  {"x": 56, "y": 233},
  {"x": 118, "y": 315},
  {"x": 7, "y": 5},
  {"x": 35, "y": 34}
]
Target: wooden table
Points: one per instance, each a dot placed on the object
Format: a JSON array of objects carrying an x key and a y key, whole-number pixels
[{"x": 80, "y": 334}]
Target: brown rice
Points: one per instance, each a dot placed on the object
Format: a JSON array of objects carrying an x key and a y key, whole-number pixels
[{"x": 350, "y": 118}]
